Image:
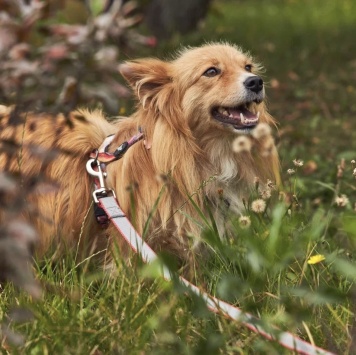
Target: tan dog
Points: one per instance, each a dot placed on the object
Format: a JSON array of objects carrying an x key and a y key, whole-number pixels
[{"x": 191, "y": 109}]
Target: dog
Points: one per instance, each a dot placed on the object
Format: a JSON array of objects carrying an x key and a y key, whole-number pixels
[{"x": 191, "y": 110}]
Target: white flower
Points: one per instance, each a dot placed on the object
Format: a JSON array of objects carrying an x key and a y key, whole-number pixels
[
  {"x": 258, "y": 206},
  {"x": 342, "y": 200},
  {"x": 262, "y": 130},
  {"x": 270, "y": 184},
  {"x": 266, "y": 193},
  {"x": 244, "y": 222},
  {"x": 241, "y": 144},
  {"x": 298, "y": 162},
  {"x": 290, "y": 171}
]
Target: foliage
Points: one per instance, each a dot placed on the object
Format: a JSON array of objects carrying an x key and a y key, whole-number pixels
[
  {"x": 292, "y": 264},
  {"x": 52, "y": 59}
]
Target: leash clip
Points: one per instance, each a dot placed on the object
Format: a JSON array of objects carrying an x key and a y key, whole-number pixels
[{"x": 99, "y": 174}]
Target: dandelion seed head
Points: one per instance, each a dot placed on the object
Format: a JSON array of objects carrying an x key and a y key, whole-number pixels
[
  {"x": 265, "y": 193},
  {"x": 270, "y": 184},
  {"x": 342, "y": 200},
  {"x": 262, "y": 130},
  {"x": 258, "y": 206},
  {"x": 244, "y": 222},
  {"x": 290, "y": 171},
  {"x": 298, "y": 162},
  {"x": 241, "y": 144}
]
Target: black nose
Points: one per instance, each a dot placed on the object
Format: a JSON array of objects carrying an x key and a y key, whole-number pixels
[{"x": 254, "y": 83}]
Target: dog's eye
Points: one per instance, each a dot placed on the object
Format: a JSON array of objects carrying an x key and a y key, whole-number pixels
[
  {"x": 248, "y": 67},
  {"x": 212, "y": 72}
]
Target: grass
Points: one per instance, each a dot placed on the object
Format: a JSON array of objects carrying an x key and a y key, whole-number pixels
[{"x": 308, "y": 50}]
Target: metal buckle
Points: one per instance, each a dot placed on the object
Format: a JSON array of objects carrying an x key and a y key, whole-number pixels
[{"x": 101, "y": 175}]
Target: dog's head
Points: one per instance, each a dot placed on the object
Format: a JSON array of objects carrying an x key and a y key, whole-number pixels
[
  {"x": 193, "y": 107},
  {"x": 216, "y": 86}
]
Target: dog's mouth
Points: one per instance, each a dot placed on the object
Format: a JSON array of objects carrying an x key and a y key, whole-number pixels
[{"x": 240, "y": 117}]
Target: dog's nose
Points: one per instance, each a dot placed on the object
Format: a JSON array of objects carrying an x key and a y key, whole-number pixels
[{"x": 254, "y": 83}]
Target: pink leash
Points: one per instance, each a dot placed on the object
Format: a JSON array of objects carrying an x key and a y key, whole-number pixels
[{"x": 115, "y": 214}]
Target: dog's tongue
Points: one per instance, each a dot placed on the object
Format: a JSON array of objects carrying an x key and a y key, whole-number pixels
[{"x": 236, "y": 111}]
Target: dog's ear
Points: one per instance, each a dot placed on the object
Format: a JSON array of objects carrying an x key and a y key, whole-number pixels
[
  {"x": 146, "y": 76},
  {"x": 152, "y": 81}
]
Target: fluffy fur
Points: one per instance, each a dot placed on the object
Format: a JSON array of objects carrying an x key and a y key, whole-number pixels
[{"x": 186, "y": 154}]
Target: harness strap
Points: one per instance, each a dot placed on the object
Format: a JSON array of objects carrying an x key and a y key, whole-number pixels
[{"x": 104, "y": 157}]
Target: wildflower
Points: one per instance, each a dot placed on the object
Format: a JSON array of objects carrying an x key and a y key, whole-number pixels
[
  {"x": 244, "y": 222},
  {"x": 262, "y": 130},
  {"x": 266, "y": 193},
  {"x": 353, "y": 162},
  {"x": 354, "y": 172},
  {"x": 290, "y": 171},
  {"x": 298, "y": 162},
  {"x": 258, "y": 205},
  {"x": 342, "y": 200},
  {"x": 241, "y": 144},
  {"x": 270, "y": 184},
  {"x": 340, "y": 169},
  {"x": 315, "y": 259}
]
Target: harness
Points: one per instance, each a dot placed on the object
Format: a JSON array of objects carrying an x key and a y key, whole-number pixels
[
  {"x": 107, "y": 209},
  {"x": 96, "y": 166}
]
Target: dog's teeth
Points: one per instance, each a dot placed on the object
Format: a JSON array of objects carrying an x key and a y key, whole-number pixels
[
  {"x": 242, "y": 118},
  {"x": 223, "y": 111}
]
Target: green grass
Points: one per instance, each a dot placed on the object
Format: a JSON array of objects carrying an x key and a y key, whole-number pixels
[{"x": 308, "y": 49}]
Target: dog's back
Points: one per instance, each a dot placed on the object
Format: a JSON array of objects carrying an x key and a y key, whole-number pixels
[{"x": 47, "y": 156}]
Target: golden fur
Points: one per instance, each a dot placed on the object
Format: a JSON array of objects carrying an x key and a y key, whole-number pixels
[{"x": 186, "y": 154}]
